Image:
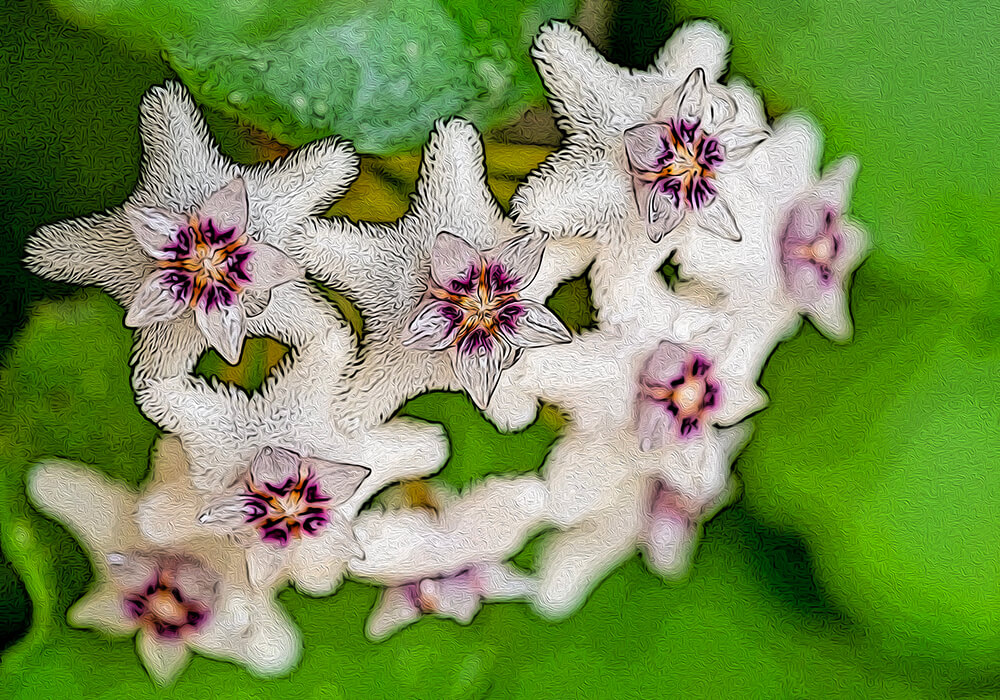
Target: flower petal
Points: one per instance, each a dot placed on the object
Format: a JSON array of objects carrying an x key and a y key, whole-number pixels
[
  {"x": 163, "y": 660},
  {"x": 97, "y": 509},
  {"x": 519, "y": 260},
  {"x": 339, "y": 481},
  {"x": 697, "y": 43},
  {"x": 838, "y": 179},
  {"x": 394, "y": 610},
  {"x": 270, "y": 267},
  {"x": 645, "y": 146},
  {"x": 586, "y": 89},
  {"x": 739, "y": 142},
  {"x": 154, "y": 228},
  {"x": 478, "y": 363},
  {"x": 454, "y": 263},
  {"x": 663, "y": 214},
  {"x": 693, "y": 97},
  {"x": 434, "y": 327},
  {"x": 275, "y": 465},
  {"x": 717, "y": 218},
  {"x": 255, "y": 301},
  {"x": 318, "y": 563},
  {"x": 536, "y": 327},
  {"x": 669, "y": 543},
  {"x": 227, "y": 207},
  {"x": 103, "y": 609},
  {"x": 266, "y": 565},
  {"x": 155, "y": 302},
  {"x": 452, "y": 596},
  {"x": 225, "y": 328},
  {"x": 226, "y": 513},
  {"x": 252, "y": 630},
  {"x": 179, "y": 154},
  {"x": 665, "y": 363},
  {"x": 830, "y": 313}
]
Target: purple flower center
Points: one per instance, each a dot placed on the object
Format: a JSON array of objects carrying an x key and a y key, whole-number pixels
[
  {"x": 424, "y": 595},
  {"x": 285, "y": 511},
  {"x": 688, "y": 397},
  {"x": 481, "y": 302},
  {"x": 205, "y": 265},
  {"x": 163, "y": 609},
  {"x": 685, "y": 165},
  {"x": 818, "y": 249}
]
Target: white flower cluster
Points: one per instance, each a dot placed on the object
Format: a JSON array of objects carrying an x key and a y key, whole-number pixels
[{"x": 251, "y": 492}]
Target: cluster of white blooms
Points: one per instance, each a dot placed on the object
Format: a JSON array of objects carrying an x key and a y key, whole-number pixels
[{"x": 249, "y": 493}]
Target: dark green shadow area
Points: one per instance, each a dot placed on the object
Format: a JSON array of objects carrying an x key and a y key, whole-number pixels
[
  {"x": 670, "y": 272},
  {"x": 69, "y": 145},
  {"x": 260, "y": 357},
  {"x": 15, "y": 605},
  {"x": 572, "y": 302}
]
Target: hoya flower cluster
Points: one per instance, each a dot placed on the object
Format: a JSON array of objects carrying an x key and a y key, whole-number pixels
[{"x": 249, "y": 493}]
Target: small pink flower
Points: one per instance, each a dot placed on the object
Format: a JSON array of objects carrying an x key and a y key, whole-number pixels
[
  {"x": 473, "y": 306},
  {"x": 669, "y": 531},
  {"x": 819, "y": 250},
  {"x": 459, "y": 596},
  {"x": 208, "y": 263},
  {"x": 169, "y": 596},
  {"x": 676, "y": 159},
  {"x": 677, "y": 394}
]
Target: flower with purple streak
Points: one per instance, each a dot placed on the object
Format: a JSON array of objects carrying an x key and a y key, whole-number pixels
[
  {"x": 284, "y": 496},
  {"x": 675, "y": 160},
  {"x": 164, "y": 606},
  {"x": 818, "y": 249},
  {"x": 206, "y": 262},
  {"x": 811, "y": 244},
  {"x": 458, "y": 595},
  {"x": 473, "y": 305},
  {"x": 677, "y": 393},
  {"x": 284, "y": 510}
]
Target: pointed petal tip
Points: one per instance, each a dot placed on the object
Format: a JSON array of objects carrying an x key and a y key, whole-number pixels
[{"x": 699, "y": 42}]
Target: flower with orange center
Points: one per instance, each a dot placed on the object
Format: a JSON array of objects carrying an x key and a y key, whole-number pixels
[
  {"x": 474, "y": 306},
  {"x": 675, "y": 160},
  {"x": 677, "y": 393},
  {"x": 207, "y": 263}
]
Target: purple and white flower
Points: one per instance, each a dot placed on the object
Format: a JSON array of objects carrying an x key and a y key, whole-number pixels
[
  {"x": 177, "y": 598},
  {"x": 819, "y": 249},
  {"x": 206, "y": 262},
  {"x": 458, "y": 595},
  {"x": 675, "y": 160},
  {"x": 474, "y": 308},
  {"x": 669, "y": 530},
  {"x": 196, "y": 234},
  {"x": 283, "y": 509},
  {"x": 677, "y": 395}
]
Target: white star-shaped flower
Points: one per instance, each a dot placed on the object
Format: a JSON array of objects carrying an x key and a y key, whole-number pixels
[
  {"x": 192, "y": 596},
  {"x": 450, "y": 294},
  {"x": 458, "y": 595},
  {"x": 644, "y": 150},
  {"x": 196, "y": 247}
]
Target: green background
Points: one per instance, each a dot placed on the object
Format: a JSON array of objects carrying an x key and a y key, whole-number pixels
[{"x": 864, "y": 557}]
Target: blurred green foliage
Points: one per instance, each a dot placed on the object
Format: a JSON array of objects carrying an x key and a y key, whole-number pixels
[
  {"x": 378, "y": 73},
  {"x": 883, "y": 453}
]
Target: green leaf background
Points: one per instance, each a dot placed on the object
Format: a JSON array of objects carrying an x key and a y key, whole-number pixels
[{"x": 863, "y": 559}]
